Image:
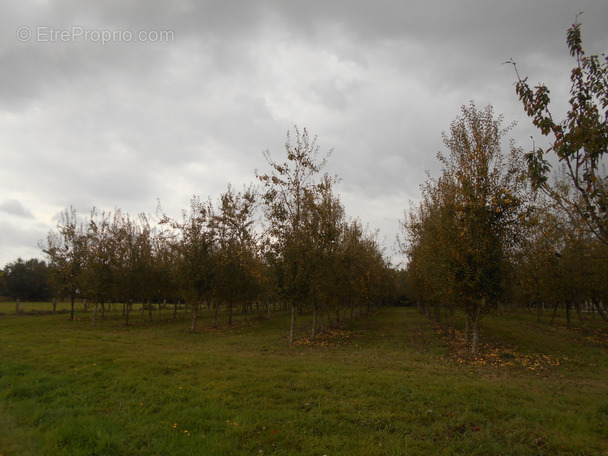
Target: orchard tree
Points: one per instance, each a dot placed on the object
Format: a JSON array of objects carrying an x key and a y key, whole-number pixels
[
  {"x": 194, "y": 248},
  {"x": 65, "y": 250},
  {"x": 98, "y": 272},
  {"x": 324, "y": 227},
  {"x": 236, "y": 257},
  {"x": 429, "y": 238},
  {"x": 580, "y": 141},
  {"x": 291, "y": 187},
  {"x": 469, "y": 219},
  {"x": 489, "y": 205}
]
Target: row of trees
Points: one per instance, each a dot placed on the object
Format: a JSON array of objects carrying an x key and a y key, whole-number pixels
[
  {"x": 304, "y": 254},
  {"x": 498, "y": 229},
  {"x": 26, "y": 280}
]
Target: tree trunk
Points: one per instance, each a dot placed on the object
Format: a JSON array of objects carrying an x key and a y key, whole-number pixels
[
  {"x": 577, "y": 306},
  {"x": 568, "y": 305},
  {"x": 54, "y": 305},
  {"x": 217, "y": 311},
  {"x": 437, "y": 313},
  {"x": 150, "y": 309},
  {"x": 230, "y": 313},
  {"x": 103, "y": 310},
  {"x": 292, "y": 326},
  {"x": 475, "y": 343},
  {"x": 17, "y": 307},
  {"x": 175, "y": 309},
  {"x": 72, "y": 299},
  {"x": 554, "y": 313},
  {"x": 539, "y": 309},
  {"x": 315, "y": 313},
  {"x": 194, "y": 315},
  {"x": 268, "y": 308},
  {"x": 95, "y": 314},
  {"x": 598, "y": 306},
  {"x": 467, "y": 330}
]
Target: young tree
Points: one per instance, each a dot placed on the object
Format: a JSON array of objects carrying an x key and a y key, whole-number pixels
[
  {"x": 580, "y": 141},
  {"x": 66, "y": 250},
  {"x": 469, "y": 219},
  {"x": 324, "y": 227},
  {"x": 236, "y": 256},
  {"x": 194, "y": 249},
  {"x": 489, "y": 203},
  {"x": 98, "y": 271},
  {"x": 291, "y": 186}
]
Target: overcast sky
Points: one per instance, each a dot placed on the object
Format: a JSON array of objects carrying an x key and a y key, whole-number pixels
[{"x": 117, "y": 104}]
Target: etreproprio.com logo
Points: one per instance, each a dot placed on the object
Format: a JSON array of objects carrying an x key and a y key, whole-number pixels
[{"x": 46, "y": 34}]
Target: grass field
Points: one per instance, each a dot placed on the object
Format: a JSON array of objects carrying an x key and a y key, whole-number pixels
[{"x": 387, "y": 384}]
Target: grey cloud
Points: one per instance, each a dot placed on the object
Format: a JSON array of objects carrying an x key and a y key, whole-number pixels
[
  {"x": 14, "y": 207},
  {"x": 123, "y": 124}
]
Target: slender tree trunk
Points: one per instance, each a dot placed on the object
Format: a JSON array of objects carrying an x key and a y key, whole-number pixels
[
  {"x": 194, "y": 315},
  {"x": 126, "y": 311},
  {"x": 554, "y": 312},
  {"x": 95, "y": 313},
  {"x": 577, "y": 306},
  {"x": 216, "y": 313},
  {"x": 475, "y": 344},
  {"x": 330, "y": 322},
  {"x": 72, "y": 299},
  {"x": 150, "y": 309},
  {"x": 292, "y": 326},
  {"x": 54, "y": 305},
  {"x": 175, "y": 309},
  {"x": 539, "y": 311},
  {"x": 598, "y": 306},
  {"x": 568, "y": 305},
  {"x": 315, "y": 313},
  {"x": 230, "y": 313},
  {"x": 103, "y": 310},
  {"x": 467, "y": 330},
  {"x": 437, "y": 312},
  {"x": 268, "y": 308}
]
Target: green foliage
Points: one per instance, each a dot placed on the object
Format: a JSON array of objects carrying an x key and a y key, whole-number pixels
[
  {"x": 459, "y": 238},
  {"x": 27, "y": 280},
  {"x": 320, "y": 261},
  {"x": 580, "y": 141}
]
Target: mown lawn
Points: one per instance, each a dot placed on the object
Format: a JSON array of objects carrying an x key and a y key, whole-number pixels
[{"x": 385, "y": 384}]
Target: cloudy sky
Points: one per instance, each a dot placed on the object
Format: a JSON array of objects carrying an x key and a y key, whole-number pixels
[{"x": 118, "y": 104}]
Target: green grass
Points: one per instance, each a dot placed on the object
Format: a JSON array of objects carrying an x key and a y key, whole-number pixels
[{"x": 387, "y": 384}]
